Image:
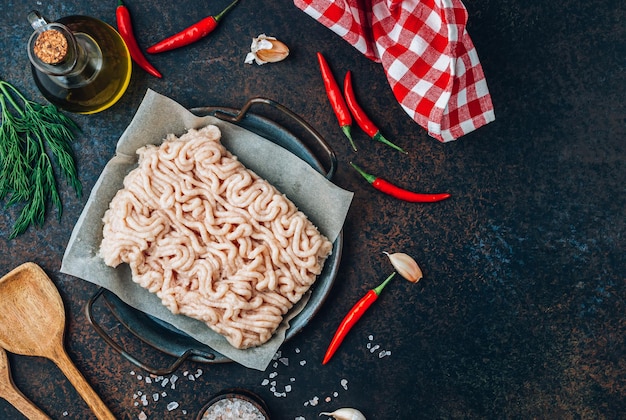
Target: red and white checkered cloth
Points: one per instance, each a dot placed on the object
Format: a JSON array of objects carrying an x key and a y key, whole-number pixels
[{"x": 428, "y": 56}]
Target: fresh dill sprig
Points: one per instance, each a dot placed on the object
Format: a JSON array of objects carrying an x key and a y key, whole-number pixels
[{"x": 30, "y": 138}]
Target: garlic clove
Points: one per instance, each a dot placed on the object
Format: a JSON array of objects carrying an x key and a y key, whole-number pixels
[
  {"x": 405, "y": 266},
  {"x": 345, "y": 414},
  {"x": 266, "y": 49},
  {"x": 278, "y": 51}
]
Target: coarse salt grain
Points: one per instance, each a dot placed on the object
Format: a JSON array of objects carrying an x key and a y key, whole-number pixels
[
  {"x": 344, "y": 384},
  {"x": 172, "y": 406},
  {"x": 142, "y": 416}
]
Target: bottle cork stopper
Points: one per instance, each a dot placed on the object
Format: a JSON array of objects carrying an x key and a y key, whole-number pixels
[{"x": 50, "y": 47}]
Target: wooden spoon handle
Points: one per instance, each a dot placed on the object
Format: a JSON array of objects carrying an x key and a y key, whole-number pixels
[
  {"x": 23, "y": 404},
  {"x": 83, "y": 388}
]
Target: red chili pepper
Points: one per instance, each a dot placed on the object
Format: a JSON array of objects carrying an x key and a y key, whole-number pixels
[
  {"x": 336, "y": 99},
  {"x": 191, "y": 34},
  {"x": 125, "y": 26},
  {"x": 397, "y": 192},
  {"x": 361, "y": 117},
  {"x": 352, "y": 317}
]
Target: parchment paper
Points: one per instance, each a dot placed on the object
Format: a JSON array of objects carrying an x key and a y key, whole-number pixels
[{"x": 325, "y": 204}]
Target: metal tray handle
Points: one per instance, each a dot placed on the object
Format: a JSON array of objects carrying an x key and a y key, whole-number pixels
[
  {"x": 309, "y": 129},
  {"x": 128, "y": 356}
]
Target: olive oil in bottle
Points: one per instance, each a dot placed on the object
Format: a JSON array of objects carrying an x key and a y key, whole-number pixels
[{"x": 79, "y": 63}]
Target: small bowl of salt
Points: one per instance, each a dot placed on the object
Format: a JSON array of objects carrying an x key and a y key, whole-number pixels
[{"x": 231, "y": 404}]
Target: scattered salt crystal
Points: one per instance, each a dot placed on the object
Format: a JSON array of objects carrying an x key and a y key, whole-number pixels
[
  {"x": 284, "y": 361},
  {"x": 384, "y": 353},
  {"x": 273, "y": 389},
  {"x": 306, "y": 403},
  {"x": 287, "y": 388},
  {"x": 273, "y": 383},
  {"x": 275, "y": 365},
  {"x": 142, "y": 416},
  {"x": 191, "y": 378},
  {"x": 277, "y": 355},
  {"x": 369, "y": 345},
  {"x": 164, "y": 394},
  {"x": 328, "y": 399},
  {"x": 344, "y": 384},
  {"x": 132, "y": 372},
  {"x": 172, "y": 406},
  {"x": 135, "y": 396},
  {"x": 165, "y": 382},
  {"x": 155, "y": 396},
  {"x": 370, "y": 337},
  {"x": 302, "y": 362},
  {"x": 139, "y": 377},
  {"x": 198, "y": 373},
  {"x": 148, "y": 380},
  {"x": 136, "y": 403},
  {"x": 144, "y": 400},
  {"x": 139, "y": 393},
  {"x": 299, "y": 418},
  {"x": 314, "y": 401},
  {"x": 65, "y": 414},
  {"x": 297, "y": 350},
  {"x": 265, "y": 382},
  {"x": 373, "y": 349},
  {"x": 335, "y": 394},
  {"x": 292, "y": 379},
  {"x": 273, "y": 375},
  {"x": 185, "y": 373}
]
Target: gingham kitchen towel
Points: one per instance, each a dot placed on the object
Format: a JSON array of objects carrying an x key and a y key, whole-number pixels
[{"x": 429, "y": 59}]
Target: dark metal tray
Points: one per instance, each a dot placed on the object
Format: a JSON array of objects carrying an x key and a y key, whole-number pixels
[{"x": 168, "y": 339}]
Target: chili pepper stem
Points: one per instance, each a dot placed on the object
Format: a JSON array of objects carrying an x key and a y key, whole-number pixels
[
  {"x": 221, "y": 14},
  {"x": 379, "y": 137},
  {"x": 381, "y": 286},
  {"x": 347, "y": 131},
  {"x": 368, "y": 177}
]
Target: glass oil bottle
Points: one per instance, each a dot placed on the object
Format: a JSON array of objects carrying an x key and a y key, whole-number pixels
[{"x": 79, "y": 63}]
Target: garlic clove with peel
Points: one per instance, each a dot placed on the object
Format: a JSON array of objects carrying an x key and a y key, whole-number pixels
[
  {"x": 405, "y": 266},
  {"x": 266, "y": 49},
  {"x": 345, "y": 414}
]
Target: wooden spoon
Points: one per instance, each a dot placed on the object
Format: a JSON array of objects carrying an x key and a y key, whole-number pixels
[
  {"x": 9, "y": 392},
  {"x": 32, "y": 323}
]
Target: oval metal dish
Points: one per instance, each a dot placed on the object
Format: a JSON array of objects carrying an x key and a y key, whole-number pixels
[{"x": 168, "y": 339}]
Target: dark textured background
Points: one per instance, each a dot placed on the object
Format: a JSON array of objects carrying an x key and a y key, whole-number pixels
[{"x": 521, "y": 310}]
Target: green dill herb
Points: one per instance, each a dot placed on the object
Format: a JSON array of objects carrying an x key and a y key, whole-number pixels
[{"x": 32, "y": 137}]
